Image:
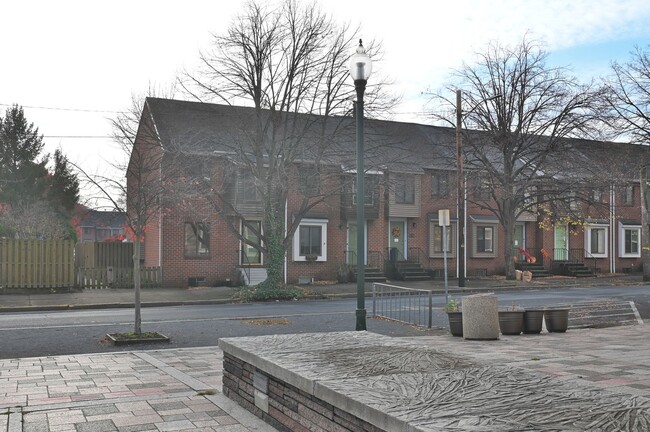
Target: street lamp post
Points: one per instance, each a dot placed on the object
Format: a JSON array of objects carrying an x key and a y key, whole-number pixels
[
  {"x": 460, "y": 185},
  {"x": 360, "y": 69}
]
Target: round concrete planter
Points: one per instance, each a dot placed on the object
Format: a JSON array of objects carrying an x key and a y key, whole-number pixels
[
  {"x": 533, "y": 319},
  {"x": 455, "y": 323},
  {"x": 557, "y": 319},
  {"x": 511, "y": 322}
]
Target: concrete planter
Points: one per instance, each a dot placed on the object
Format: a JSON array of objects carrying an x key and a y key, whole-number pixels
[
  {"x": 557, "y": 319},
  {"x": 511, "y": 322},
  {"x": 533, "y": 320}
]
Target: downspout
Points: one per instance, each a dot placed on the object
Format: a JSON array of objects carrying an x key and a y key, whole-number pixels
[
  {"x": 612, "y": 228},
  {"x": 286, "y": 224},
  {"x": 465, "y": 225}
]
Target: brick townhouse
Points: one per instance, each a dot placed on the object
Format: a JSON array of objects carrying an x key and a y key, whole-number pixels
[{"x": 410, "y": 177}]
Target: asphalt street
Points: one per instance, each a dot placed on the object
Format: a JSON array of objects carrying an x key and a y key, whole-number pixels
[{"x": 31, "y": 334}]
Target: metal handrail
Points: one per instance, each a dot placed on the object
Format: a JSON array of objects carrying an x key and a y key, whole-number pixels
[
  {"x": 245, "y": 266},
  {"x": 376, "y": 259},
  {"x": 418, "y": 252},
  {"x": 350, "y": 257}
]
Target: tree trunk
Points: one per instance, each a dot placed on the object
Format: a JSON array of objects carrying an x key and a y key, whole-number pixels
[
  {"x": 274, "y": 229},
  {"x": 509, "y": 234},
  {"x": 136, "y": 283},
  {"x": 645, "y": 224}
]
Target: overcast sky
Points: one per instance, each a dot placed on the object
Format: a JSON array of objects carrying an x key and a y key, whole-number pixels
[{"x": 84, "y": 59}]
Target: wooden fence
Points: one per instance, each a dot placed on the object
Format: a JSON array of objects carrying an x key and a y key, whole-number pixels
[
  {"x": 52, "y": 264},
  {"x": 103, "y": 255},
  {"x": 37, "y": 264},
  {"x": 117, "y": 277}
]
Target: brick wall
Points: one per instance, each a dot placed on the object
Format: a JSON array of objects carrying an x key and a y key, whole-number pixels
[{"x": 283, "y": 406}]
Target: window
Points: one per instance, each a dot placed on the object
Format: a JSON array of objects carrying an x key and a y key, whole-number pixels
[
  {"x": 368, "y": 188},
  {"x": 308, "y": 181},
  {"x": 628, "y": 195},
  {"x": 630, "y": 241},
  {"x": 197, "y": 239},
  {"x": 482, "y": 187},
  {"x": 404, "y": 189},
  {"x": 597, "y": 195},
  {"x": 310, "y": 240},
  {"x": 573, "y": 201},
  {"x": 596, "y": 241},
  {"x": 440, "y": 185},
  {"x": 436, "y": 240},
  {"x": 485, "y": 240},
  {"x": 247, "y": 189},
  {"x": 250, "y": 254}
]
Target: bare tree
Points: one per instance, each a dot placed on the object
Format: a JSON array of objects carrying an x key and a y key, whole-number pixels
[
  {"x": 525, "y": 109},
  {"x": 628, "y": 98},
  {"x": 289, "y": 62},
  {"x": 140, "y": 165}
]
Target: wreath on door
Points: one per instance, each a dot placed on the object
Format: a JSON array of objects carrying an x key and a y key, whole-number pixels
[{"x": 396, "y": 232}]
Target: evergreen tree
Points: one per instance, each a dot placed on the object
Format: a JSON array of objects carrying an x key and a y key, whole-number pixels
[
  {"x": 22, "y": 176},
  {"x": 34, "y": 203},
  {"x": 64, "y": 184}
]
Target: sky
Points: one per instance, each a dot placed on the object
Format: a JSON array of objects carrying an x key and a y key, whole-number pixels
[{"x": 73, "y": 65}]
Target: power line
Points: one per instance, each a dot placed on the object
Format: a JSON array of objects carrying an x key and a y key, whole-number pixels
[
  {"x": 65, "y": 109},
  {"x": 77, "y": 136}
]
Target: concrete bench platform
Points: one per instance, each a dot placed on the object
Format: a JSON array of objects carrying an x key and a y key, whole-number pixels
[{"x": 360, "y": 381}]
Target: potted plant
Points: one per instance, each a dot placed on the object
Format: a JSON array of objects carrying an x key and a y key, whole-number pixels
[
  {"x": 511, "y": 321},
  {"x": 557, "y": 319},
  {"x": 455, "y": 315}
]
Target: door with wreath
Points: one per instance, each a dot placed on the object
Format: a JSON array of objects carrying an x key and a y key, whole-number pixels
[{"x": 397, "y": 238}]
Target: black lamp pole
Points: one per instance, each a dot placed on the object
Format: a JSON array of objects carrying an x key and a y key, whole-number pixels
[{"x": 360, "y": 68}]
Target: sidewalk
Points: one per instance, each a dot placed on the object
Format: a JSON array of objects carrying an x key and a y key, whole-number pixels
[
  {"x": 180, "y": 389},
  {"x": 107, "y": 298}
]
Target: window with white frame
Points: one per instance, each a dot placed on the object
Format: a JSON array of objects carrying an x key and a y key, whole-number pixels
[
  {"x": 485, "y": 240},
  {"x": 630, "y": 241},
  {"x": 596, "y": 241},
  {"x": 310, "y": 240},
  {"x": 436, "y": 240}
]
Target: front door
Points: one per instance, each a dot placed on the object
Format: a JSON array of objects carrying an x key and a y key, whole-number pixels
[
  {"x": 351, "y": 254},
  {"x": 561, "y": 245},
  {"x": 519, "y": 240},
  {"x": 397, "y": 240}
]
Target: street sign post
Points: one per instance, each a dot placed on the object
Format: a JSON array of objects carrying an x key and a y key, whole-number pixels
[{"x": 444, "y": 222}]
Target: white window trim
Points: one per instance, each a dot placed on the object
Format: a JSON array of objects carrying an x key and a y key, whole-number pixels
[
  {"x": 588, "y": 241},
  {"x": 495, "y": 240},
  {"x": 296, "y": 239},
  {"x": 621, "y": 241}
]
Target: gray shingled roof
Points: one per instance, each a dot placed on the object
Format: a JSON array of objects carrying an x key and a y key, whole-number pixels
[{"x": 203, "y": 128}]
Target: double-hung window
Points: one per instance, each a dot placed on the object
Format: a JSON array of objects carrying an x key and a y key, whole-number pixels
[
  {"x": 630, "y": 241},
  {"x": 596, "y": 241},
  {"x": 484, "y": 240},
  {"x": 439, "y": 185},
  {"x": 436, "y": 242},
  {"x": 310, "y": 240},
  {"x": 404, "y": 189}
]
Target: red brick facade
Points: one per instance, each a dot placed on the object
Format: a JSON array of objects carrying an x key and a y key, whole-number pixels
[{"x": 165, "y": 235}]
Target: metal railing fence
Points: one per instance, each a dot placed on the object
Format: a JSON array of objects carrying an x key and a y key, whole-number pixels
[{"x": 406, "y": 305}]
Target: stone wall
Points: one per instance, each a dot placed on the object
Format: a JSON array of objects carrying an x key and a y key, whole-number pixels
[{"x": 282, "y": 405}]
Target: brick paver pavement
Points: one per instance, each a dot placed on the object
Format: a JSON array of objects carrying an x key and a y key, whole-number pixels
[
  {"x": 167, "y": 390},
  {"x": 179, "y": 389}
]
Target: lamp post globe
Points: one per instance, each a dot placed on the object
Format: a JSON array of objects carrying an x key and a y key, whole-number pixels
[{"x": 360, "y": 69}]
